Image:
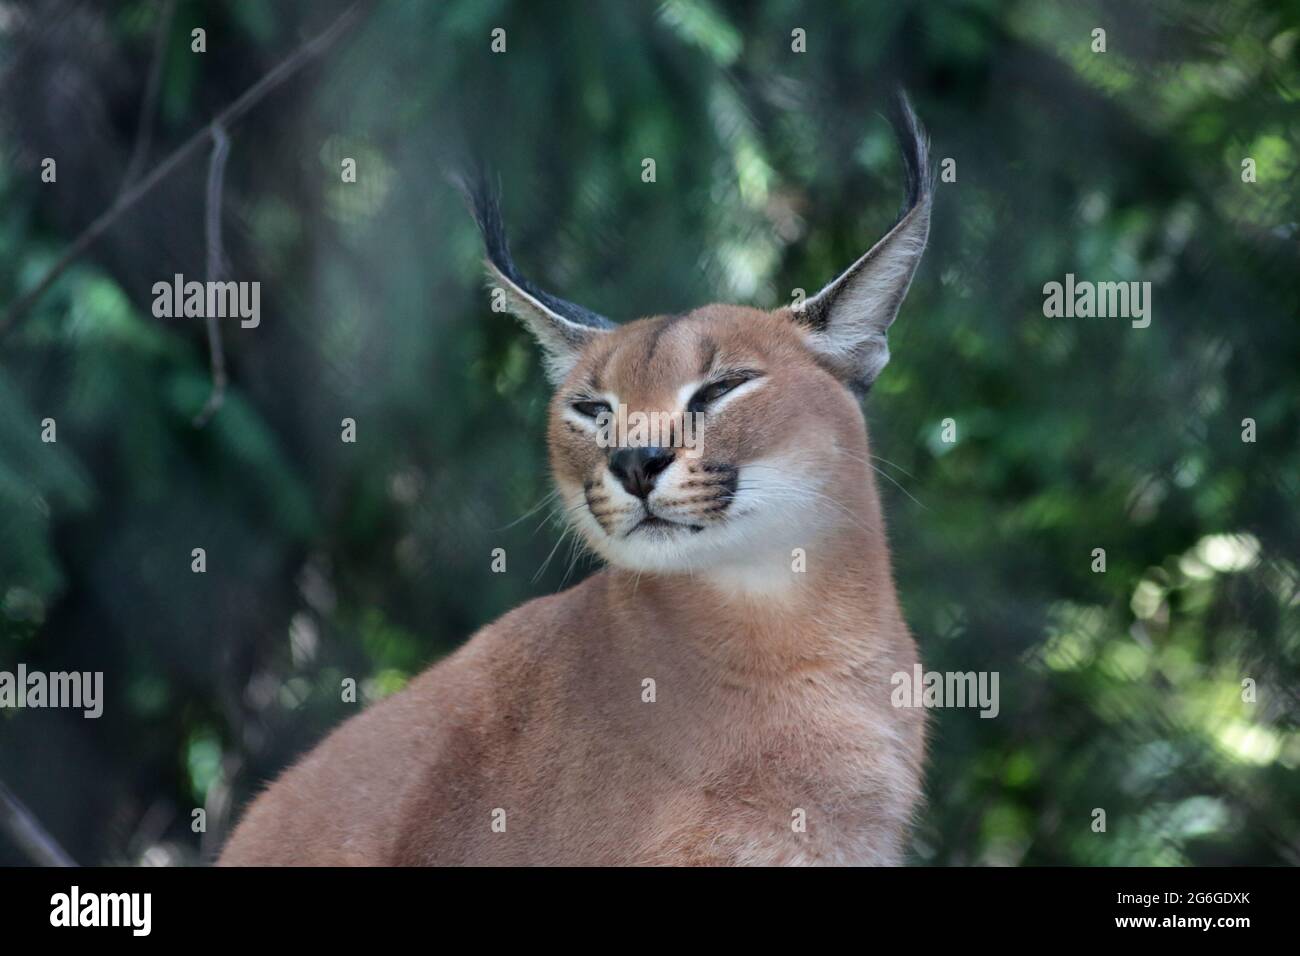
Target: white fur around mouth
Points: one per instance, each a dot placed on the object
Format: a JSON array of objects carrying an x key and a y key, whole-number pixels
[{"x": 657, "y": 524}]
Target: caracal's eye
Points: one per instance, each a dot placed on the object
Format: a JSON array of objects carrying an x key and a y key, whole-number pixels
[
  {"x": 591, "y": 409},
  {"x": 710, "y": 393}
]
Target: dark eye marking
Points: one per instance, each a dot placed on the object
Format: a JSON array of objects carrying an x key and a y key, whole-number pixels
[
  {"x": 710, "y": 392},
  {"x": 590, "y": 408},
  {"x": 709, "y": 352}
]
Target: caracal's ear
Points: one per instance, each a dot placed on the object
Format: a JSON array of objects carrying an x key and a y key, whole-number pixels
[
  {"x": 845, "y": 323},
  {"x": 561, "y": 328}
]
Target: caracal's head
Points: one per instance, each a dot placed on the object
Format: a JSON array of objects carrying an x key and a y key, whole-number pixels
[{"x": 697, "y": 442}]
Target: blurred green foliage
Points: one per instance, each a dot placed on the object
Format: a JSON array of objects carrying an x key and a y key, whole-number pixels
[{"x": 1119, "y": 690}]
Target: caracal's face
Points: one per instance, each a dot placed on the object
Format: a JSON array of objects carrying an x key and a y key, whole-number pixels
[{"x": 702, "y": 442}]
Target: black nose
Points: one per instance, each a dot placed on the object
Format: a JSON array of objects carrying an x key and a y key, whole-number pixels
[{"x": 637, "y": 468}]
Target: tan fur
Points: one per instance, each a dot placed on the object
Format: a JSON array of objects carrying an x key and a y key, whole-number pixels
[{"x": 773, "y": 686}]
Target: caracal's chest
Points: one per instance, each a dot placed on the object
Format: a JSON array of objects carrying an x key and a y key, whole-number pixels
[{"x": 830, "y": 784}]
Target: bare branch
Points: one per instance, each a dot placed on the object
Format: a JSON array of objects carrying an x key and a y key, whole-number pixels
[
  {"x": 227, "y": 117},
  {"x": 26, "y": 831},
  {"x": 216, "y": 258},
  {"x": 149, "y": 102}
]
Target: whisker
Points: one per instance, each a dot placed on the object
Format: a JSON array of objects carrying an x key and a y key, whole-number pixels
[
  {"x": 564, "y": 533},
  {"x": 795, "y": 492},
  {"x": 531, "y": 511},
  {"x": 895, "y": 465},
  {"x": 890, "y": 478},
  {"x": 886, "y": 476}
]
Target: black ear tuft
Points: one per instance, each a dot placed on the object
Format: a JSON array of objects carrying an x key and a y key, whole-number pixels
[
  {"x": 847, "y": 322},
  {"x": 484, "y": 202},
  {"x": 918, "y": 177}
]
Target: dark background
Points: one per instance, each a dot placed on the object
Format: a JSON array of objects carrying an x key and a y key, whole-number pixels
[{"x": 1119, "y": 690}]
